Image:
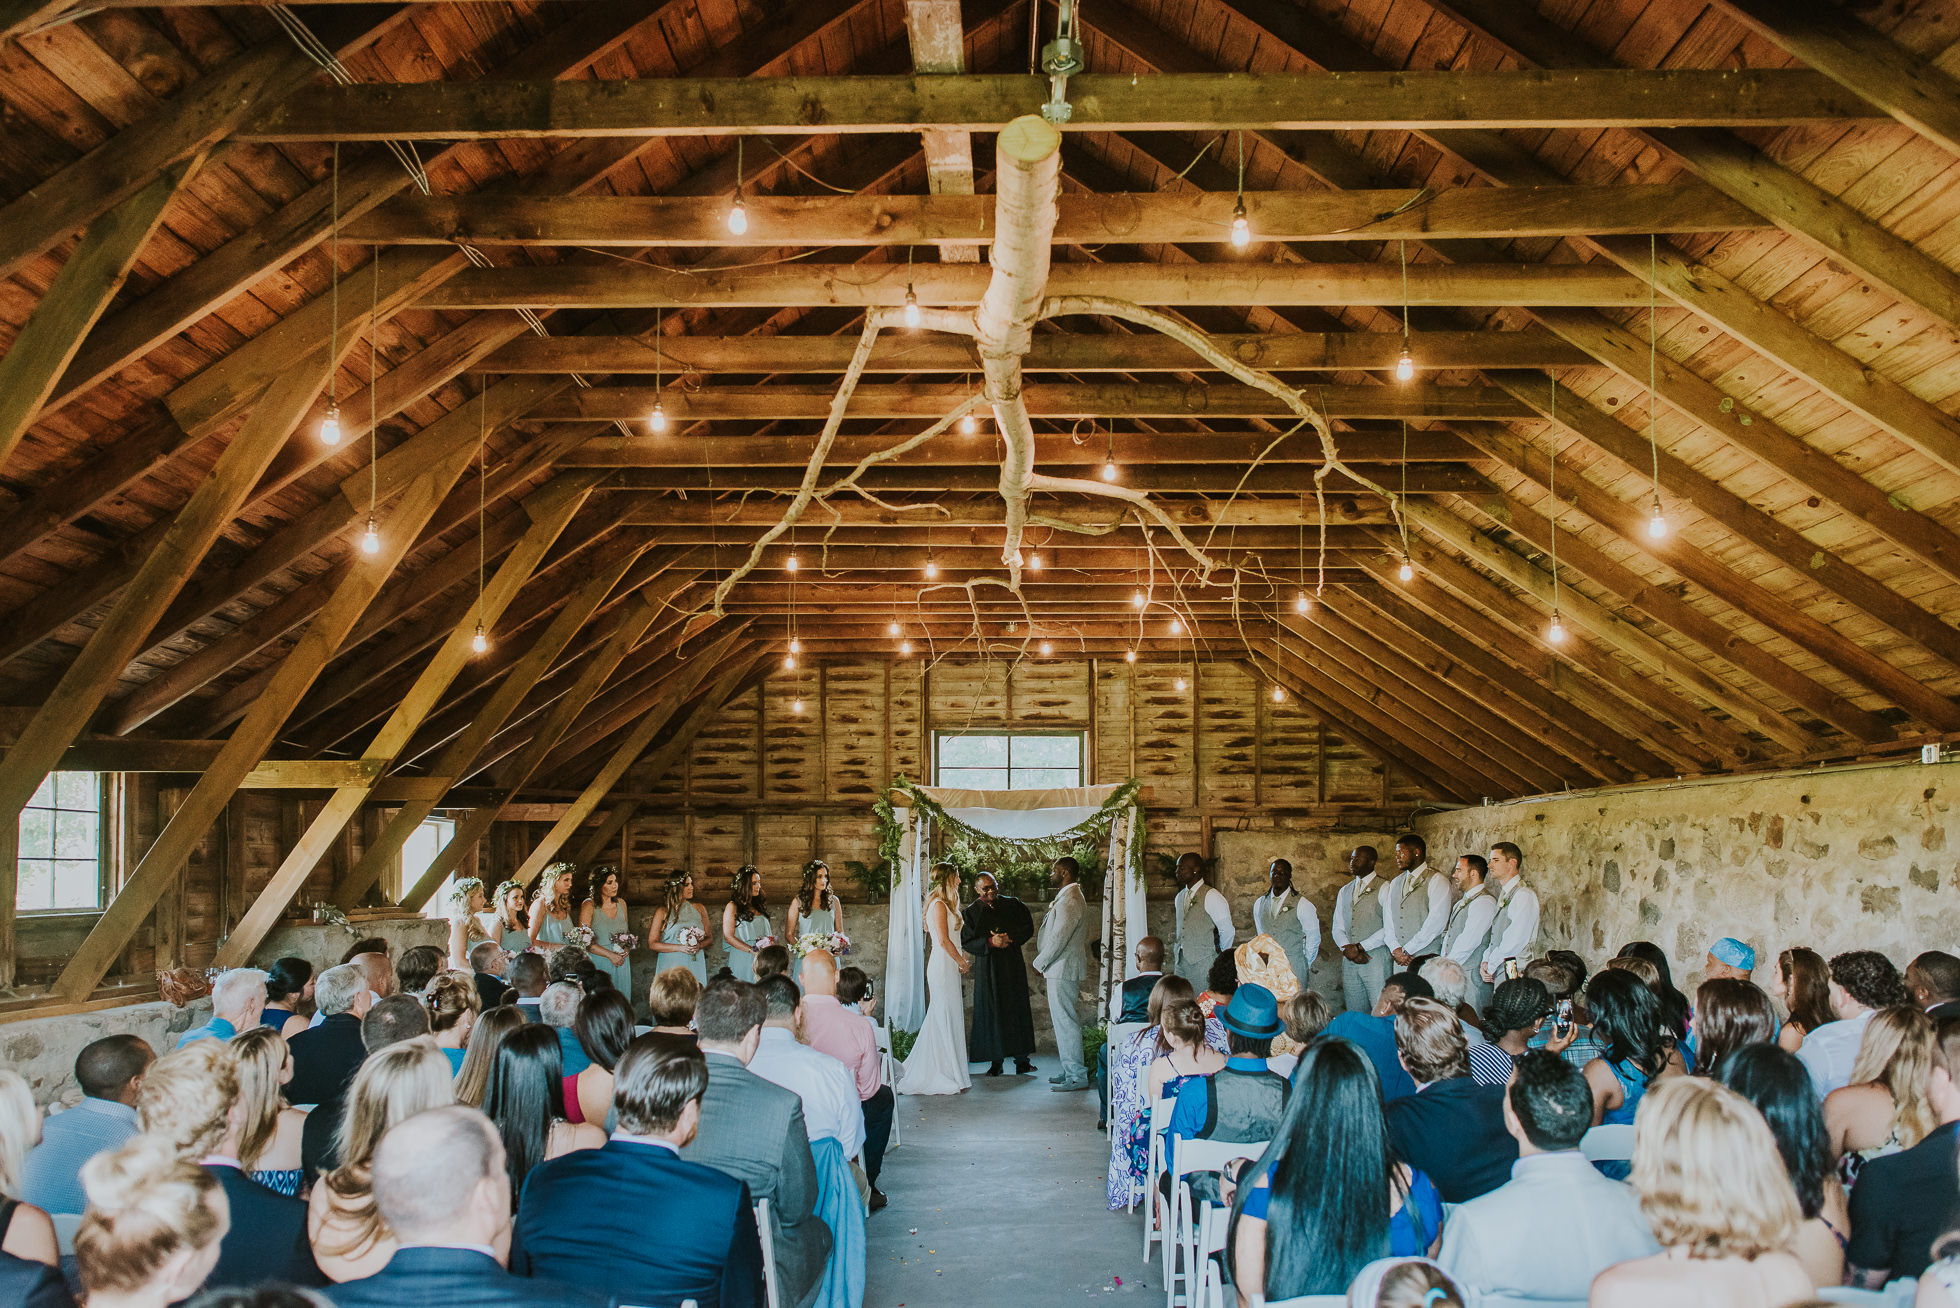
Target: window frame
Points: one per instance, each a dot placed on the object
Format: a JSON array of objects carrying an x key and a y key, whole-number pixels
[
  {"x": 108, "y": 846},
  {"x": 438, "y": 905},
  {"x": 1010, "y": 734}
]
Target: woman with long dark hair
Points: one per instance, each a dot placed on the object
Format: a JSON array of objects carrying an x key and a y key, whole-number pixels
[
  {"x": 1328, "y": 1196},
  {"x": 1675, "y": 1011},
  {"x": 604, "y": 1026},
  {"x": 815, "y": 910},
  {"x": 1802, "y": 983},
  {"x": 1776, "y": 1083},
  {"x": 1728, "y": 1015},
  {"x": 288, "y": 989},
  {"x": 605, "y": 913},
  {"x": 744, "y": 921},
  {"x": 678, "y": 932},
  {"x": 1636, "y": 1049},
  {"x": 525, "y": 1101}
]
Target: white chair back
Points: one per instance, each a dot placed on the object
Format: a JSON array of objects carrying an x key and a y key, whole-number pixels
[
  {"x": 765, "y": 1225},
  {"x": 1304, "y": 1301},
  {"x": 1896, "y": 1294},
  {"x": 1608, "y": 1144},
  {"x": 1155, "y": 1210},
  {"x": 65, "y": 1225},
  {"x": 1183, "y": 1284}
]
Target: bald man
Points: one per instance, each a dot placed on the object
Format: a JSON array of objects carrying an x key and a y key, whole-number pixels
[{"x": 847, "y": 1036}]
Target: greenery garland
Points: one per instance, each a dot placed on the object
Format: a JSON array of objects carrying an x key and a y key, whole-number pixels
[{"x": 1020, "y": 863}]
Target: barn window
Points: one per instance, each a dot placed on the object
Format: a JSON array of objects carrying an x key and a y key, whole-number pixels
[
  {"x": 420, "y": 850},
  {"x": 62, "y": 845},
  {"x": 1009, "y": 762}
]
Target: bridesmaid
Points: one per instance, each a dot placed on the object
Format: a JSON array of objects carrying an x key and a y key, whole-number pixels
[
  {"x": 673, "y": 917},
  {"x": 745, "y": 921},
  {"x": 551, "y": 914},
  {"x": 466, "y": 905},
  {"x": 815, "y": 910},
  {"x": 513, "y": 925},
  {"x": 605, "y": 913}
]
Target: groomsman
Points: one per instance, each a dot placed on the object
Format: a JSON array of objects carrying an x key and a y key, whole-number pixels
[
  {"x": 1516, "y": 924},
  {"x": 1204, "y": 924},
  {"x": 1467, "y": 935},
  {"x": 1290, "y": 918},
  {"x": 1062, "y": 960},
  {"x": 1360, "y": 933},
  {"x": 1416, "y": 903}
]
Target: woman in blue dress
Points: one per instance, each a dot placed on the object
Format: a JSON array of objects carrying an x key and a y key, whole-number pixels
[
  {"x": 605, "y": 913},
  {"x": 744, "y": 921},
  {"x": 815, "y": 910},
  {"x": 671, "y": 920},
  {"x": 551, "y": 912},
  {"x": 513, "y": 925},
  {"x": 1328, "y": 1196},
  {"x": 1630, "y": 1024}
]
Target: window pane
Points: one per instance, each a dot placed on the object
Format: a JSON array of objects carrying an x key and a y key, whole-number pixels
[
  {"x": 75, "y": 834},
  {"x": 974, "y": 778},
  {"x": 61, "y": 845},
  {"x": 44, "y": 796},
  {"x": 1045, "y": 778},
  {"x": 37, "y": 833},
  {"x": 972, "y": 751},
  {"x": 1047, "y": 752},
  {"x": 77, "y": 883},
  {"x": 36, "y": 884},
  {"x": 77, "y": 790}
]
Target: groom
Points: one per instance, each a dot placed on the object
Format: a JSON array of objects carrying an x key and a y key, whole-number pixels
[{"x": 1060, "y": 959}]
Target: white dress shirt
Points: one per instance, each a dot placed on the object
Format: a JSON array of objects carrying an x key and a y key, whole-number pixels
[
  {"x": 1523, "y": 903},
  {"x": 826, "y": 1087},
  {"x": 1344, "y": 914},
  {"x": 1215, "y": 908},
  {"x": 1474, "y": 912},
  {"x": 1539, "y": 1239},
  {"x": 1828, "y": 1052},
  {"x": 1267, "y": 907},
  {"x": 1437, "y": 916}
]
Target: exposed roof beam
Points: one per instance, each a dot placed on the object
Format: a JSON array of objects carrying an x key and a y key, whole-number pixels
[{"x": 938, "y": 39}]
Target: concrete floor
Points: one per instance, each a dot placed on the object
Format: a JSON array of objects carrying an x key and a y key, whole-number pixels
[{"x": 1005, "y": 1186}]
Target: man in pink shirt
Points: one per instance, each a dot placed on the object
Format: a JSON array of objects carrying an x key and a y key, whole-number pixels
[{"x": 846, "y": 1035}]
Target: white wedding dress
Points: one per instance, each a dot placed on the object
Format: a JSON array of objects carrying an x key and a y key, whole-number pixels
[{"x": 938, "y": 1062}]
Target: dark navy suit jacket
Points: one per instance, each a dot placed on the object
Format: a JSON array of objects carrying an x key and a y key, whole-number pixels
[
  {"x": 643, "y": 1224},
  {"x": 1136, "y": 997},
  {"x": 454, "y": 1278},
  {"x": 1454, "y": 1131},
  {"x": 267, "y": 1240},
  {"x": 325, "y": 1061},
  {"x": 28, "y": 1284}
]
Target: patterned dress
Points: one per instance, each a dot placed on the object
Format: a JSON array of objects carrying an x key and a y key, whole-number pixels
[{"x": 1129, "y": 1114}]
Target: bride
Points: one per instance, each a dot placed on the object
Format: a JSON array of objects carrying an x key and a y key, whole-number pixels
[{"x": 938, "y": 1062}]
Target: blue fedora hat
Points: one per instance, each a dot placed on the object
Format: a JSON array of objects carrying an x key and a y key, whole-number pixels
[{"x": 1253, "y": 1013}]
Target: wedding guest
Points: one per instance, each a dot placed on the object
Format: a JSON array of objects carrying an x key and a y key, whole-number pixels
[
  {"x": 441, "y": 1190},
  {"x": 1862, "y": 982},
  {"x": 744, "y": 921},
  {"x": 110, "y": 1072},
  {"x": 1374, "y": 1033},
  {"x": 671, "y": 1000},
  {"x": 604, "y": 1026},
  {"x": 25, "y": 1230},
  {"x": 1405, "y": 1283},
  {"x": 845, "y": 1034},
  {"x": 1902, "y": 1203},
  {"x": 1149, "y": 955},
  {"x": 1517, "y": 1013},
  {"x": 1627, "y": 1022},
  {"x": 558, "y": 1010},
  {"x": 1801, "y": 982},
  {"x": 191, "y": 1103},
  {"x": 1714, "y": 1191},
  {"x": 153, "y": 1226},
  {"x": 1888, "y": 1105},
  {"x": 1306, "y": 1015},
  {"x": 469, "y": 904},
  {"x": 1542, "y": 1236},
  {"x": 854, "y": 990},
  {"x": 416, "y": 968},
  {"x": 1775, "y": 1082},
  {"x": 326, "y": 1057},
  {"x": 753, "y": 1130},
  {"x": 513, "y": 924},
  {"x": 1328, "y": 1196},
  {"x": 550, "y": 920},
  {"x": 269, "y": 1130},
  {"x": 771, "y": 960},
  {"x": 525, "y": 1099},
  {"x": 1933, "y": 983},
  {"x": 1729, "y": 959},
  {"x": 288, "y": 989},
  {"x": 1239, "y": 1102},
  {"x": 237, "y": 999},
  {"x": 1730, "y": 1013},
  {"x": 528, "y": 978},
  {"x": 29, "y": 1284},
  {"x": 486, "y": 1038},
  {"x": 678, "y": 932},
  {"x": 1450, "y": 986},
  {"x": 488, "y": 962},
  {"x": 1184, "y": 1055},
  {"x": 452, "y": 1006},
  {"x": 1131, "y": 1093},
  {"x": 349, "y": 1238},
  {"x": 564, "y": 964},
  {"x": 1451, "y": 1128},
  {"x": 376, "y": 945},
  {"x": 815, "y": 911},
  {"x": 1676, "y": 1013},
  {"x": 393, "y": 1020},
  {"x": 709, "y": 1250},
  {"x": 1220, "y": 982}
]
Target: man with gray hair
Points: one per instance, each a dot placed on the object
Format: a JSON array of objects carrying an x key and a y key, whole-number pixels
[
  {"x": 558, "y": 1009},
  {"x": 709, "y": 1250},
  {"x": 1450, "y": 982},
  {"x": 237, "y": 999},
  {"x": 326, "y": 1057},
  {"x": 439, "y": 1184}
]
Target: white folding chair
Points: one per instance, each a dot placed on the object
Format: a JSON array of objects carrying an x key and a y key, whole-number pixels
[
  {"x": 1896, "y": 1294},
  {"x": 64, "y": 1231},
  {"x": 764, "y": 1225},
  {"x": 1212, "y": 1226},
  {"x": 1186, "y": 1157},
  {"x": 1155, "y": 1208},
  {"x": 1304, "y": 1301},
  {"x": 1608, "y": 1144},
  {"x": 888, "y": 1073}
]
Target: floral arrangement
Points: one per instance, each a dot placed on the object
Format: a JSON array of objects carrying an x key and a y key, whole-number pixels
[
  {"x": 580, "y": 936},
  {"x": 625, "y": 941},
  {"x": 693, "y": 937},
  {"x": 764, "y": 942},
  {"x": 835, "y": 942}
]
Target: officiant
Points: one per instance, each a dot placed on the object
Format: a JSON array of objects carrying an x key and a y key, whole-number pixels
[{"x": 996, "y": 927}]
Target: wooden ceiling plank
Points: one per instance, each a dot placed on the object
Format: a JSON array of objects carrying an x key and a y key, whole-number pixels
[{"x": 657, "y": 761}]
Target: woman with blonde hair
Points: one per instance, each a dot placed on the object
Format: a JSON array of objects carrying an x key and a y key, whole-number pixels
[
  {"x": 551, "y": 910},
  {"x": 671, "y": 1000},
  {"x": 269, "y": 1129},
  {"x": 469, "y": 903},
  {"x": 153, "y": 1227},
  {"x": 25, "y": 1231},
  {"x": 452, "y": 1002},
  {"x": 1714, "y": 1189},
  {"x": 486, "y": 1037},
  {"x": 678, "y": 932},
  {"x": 1886, "y": 1107},
  {"x": 349, "y": 1239}
]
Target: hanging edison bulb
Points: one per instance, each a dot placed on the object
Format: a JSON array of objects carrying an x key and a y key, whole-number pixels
[
  {"x": 330, "y": 426},
  {"x": 1407, "y": 572},
  {"x": 370, "y": 539},
  {"x": 738, "y": 216},
  {"x": 1110, "y": 472},
  {"x": 905, "y": 647},
  {"x": 1279, "y": 694},
  {"x": 657, "y": 420},
  {"x": 1301, "y": 604},
  {"x": 893, "y": 629},
  {"x": 789, "y": 662},
  {"x": 1405, "y": 366},
  {"x": 1136, "y": 599},
  {"x": 480, "y": 642},
  {"x": 1657, "y": 525},
  {"x": 969, "y": 423},
  {"x": 1177, "y": 626},
  {"x": 1034, "y": 563},
  {"x": 911, "y": 306},
  {"x": 1129, "y": 656},
  {"x": 1047, "y": 648},
  {"x": 796, "y": 706},
  {"x": 1241, "y": 229},
  {"x": 932, "y": 569},
  {"x": 792, "y": 563},
  {"x": 1180, "y": 683},
  {"x": 795, "y": 645},
  {"x": 1556, "y": 632}
]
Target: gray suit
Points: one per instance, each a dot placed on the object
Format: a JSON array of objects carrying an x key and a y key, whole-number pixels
[
  {"x": 753, "y": 1130},
  {"x": 1062, "y": 961}
]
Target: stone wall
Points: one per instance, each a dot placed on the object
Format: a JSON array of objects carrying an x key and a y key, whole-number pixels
[{"x": 1858, "y": 857}]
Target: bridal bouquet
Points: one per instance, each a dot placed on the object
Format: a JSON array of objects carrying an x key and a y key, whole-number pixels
[
  {"x": 625, "y": 941},
  {"x": 693, "y": 937},
  {"x": 840, "y": 944},
  {"x": 835, "y": 942},
  {"x": 580, "y": 936}
]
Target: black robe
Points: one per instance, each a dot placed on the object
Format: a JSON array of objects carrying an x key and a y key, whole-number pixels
[{"x": 1003, "y": 1021}]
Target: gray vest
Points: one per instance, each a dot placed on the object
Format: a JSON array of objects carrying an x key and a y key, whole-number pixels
[
  {"x": 1501, "y": 924},
  {"x": 1197, "y": 939},
  {"x": 1284, "y": 927},
  {"x": 1410, "y": 906},
  {"x": 1244, "y": 1105},
  {"x": 1364, "y": 912},
  {"x": 1460, "y": 922}
]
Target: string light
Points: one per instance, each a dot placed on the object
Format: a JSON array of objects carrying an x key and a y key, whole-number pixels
[
  {"x": 932, "y": 569},
  {"x": 1279, "y": 694},
  {"x": 738, "y": 216},
  {"x": 905, "y": 647},
  {"x": 1129, "y": 656},
  {"x": 791, "y": 564},
  {"x": 1136, "y": 599},
  {"x": 1047, "y": 648},
  {"x": 1405, "y": 366},
  {"x": 1110, "y": 471},
  {"x": 1177, "y": 626},
  {"x": 1301, "y": 604},
  {"x": 969, "y": 423},
  {"x": 1180, "y": 683},
  {"x": 370, "y": 539},
  {"x": 658, "y": 418},
  {"x": 330, "y": 421},
  {"x": 1656, "y": 525},
  {"x": 1034, "y": 563},
  {"x": 1407, "y": 572},
  {"x": 480, "y": 642},
  {"x": 789, "y": 662},
  {"x": 330, "y": 426},
  {"x": 796, "y": 706},
  {"x": 893, "y": 629},
  {"x": 1556, "y": 632},
  {"x": 911, "y": 306},
  {"x": 1241, "y": 229},
  {"x": 795, "y": 645}
]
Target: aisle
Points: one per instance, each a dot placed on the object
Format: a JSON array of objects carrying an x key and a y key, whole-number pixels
[{"x": 1005, "y": 1187}]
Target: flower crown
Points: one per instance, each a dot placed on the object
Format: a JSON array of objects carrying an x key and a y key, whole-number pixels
[
  {"x": 505, "y": 889},
  {"x": 460, "y": 894}
]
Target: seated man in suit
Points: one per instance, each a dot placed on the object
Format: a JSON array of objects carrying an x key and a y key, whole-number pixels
[
  {"x": 393, "y": 1020},
  {"x": 528, "y": 979},
  {"x": 707, "y": 1248},
  {"x": 440, "y": 1185},
  {"x": 110, "y": 1072},
  {"x": 1451, "y": 1128},
  {"x": 754, "y": 1131},
  {"x": 326, "y": 1057},
  {"x": 1136, "y": 1008},
  {"x": 487, "y": 963}
]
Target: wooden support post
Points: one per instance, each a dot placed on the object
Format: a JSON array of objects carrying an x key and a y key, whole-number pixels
[
  {"x": 938, "y": 40},
  {"x": 550, "y": 508}
]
